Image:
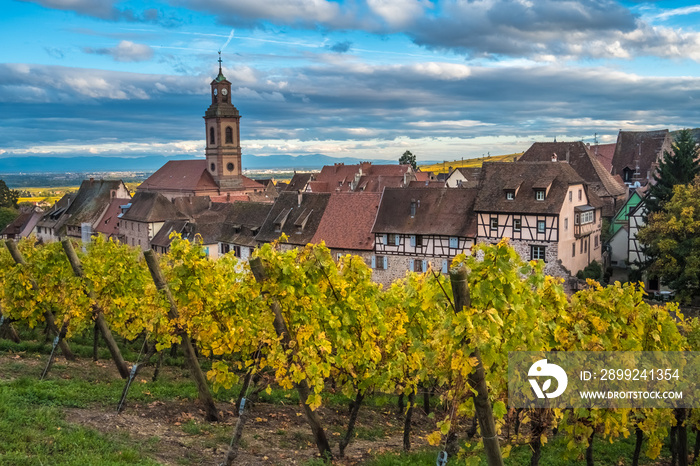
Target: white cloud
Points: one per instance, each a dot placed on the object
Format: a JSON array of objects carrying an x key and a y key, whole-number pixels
[{"x": 125, "y": 51}]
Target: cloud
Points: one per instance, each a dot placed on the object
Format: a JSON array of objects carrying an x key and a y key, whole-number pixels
[
  {"x": 341, "y": 47},
  {"x": 683, "y": 11},
  {"x": 125, "y": 51},
  {"x": 55, "y": 52},
  {"x": 106, "y": 9},
  {"x": 348, "y": 106}
]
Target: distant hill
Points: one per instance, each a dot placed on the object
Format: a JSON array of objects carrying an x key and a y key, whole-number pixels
[
  {"x": 445, "y": 167},
  {"x": 154, "y": 162}
]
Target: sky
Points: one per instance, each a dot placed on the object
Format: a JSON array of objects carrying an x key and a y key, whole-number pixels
[{"x": 368, "y": 79}]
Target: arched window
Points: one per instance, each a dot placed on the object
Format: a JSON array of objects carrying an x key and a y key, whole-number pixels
[
  {"x": 212, "y": 138},
  {"x": 229, "y": 135}
]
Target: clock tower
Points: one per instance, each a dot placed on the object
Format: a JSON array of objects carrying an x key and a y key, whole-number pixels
[{"x": 222, "y": 125}]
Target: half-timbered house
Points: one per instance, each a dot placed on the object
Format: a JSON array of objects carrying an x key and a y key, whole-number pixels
[
  {"x": 420, "y": 227},
  {"x": 547, "y": 211}
]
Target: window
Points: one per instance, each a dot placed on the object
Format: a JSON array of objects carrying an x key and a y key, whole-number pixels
[
  {"x": 517, "y": 224},
  {"x": 596, "y": 240},
  {"x": 237, "y": 251},
  {"x": 393, "y": 240},
  {"x": 539, "y": 195},
  {"x": 566, "y": 223},
  {"x": 416, "y": 241},
  {"x": 454, "y": 242},
  {"x": 494, "y": 223},
  {"x": 229, "y": 166},
  {"x": 580, "y": 194},
  {"x": 418, "y": 265},
  {"x": 379, "y": 262},
  {"x": 580, "y": 249},
  {"x": 510, "y": 195},
  {"x": 586, "y": 217},
  {"x": 225, "y": 248},
  {"x": 540, "y": 226},
  {"x": 213, "y": 167},
  {"x": 573, "y": 249},
  {"x": 585, "y": 245},
  {"x": 571, "y": 196},
  {"x": 537, "y": 252},
  {"x": 212, "y": 139},
  {"x": 229, "y": 135}
]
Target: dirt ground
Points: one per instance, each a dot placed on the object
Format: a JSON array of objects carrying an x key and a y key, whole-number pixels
[{"x": 175, "y": 432}]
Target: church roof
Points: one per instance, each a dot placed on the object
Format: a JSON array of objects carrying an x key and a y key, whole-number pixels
[{"x": 182, "y": 175}]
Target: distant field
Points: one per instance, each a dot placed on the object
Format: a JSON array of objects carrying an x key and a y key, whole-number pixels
[
  {"x": 444, "y": 167},
  {"x": 43, "y": 194}
]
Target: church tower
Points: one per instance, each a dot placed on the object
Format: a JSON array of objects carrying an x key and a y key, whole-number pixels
[{"x": 222, "y": 125}]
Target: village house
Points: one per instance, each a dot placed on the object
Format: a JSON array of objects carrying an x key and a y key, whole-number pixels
[
  {"x": 46, "y": 229},
  {"x": 586, "y": 164},
  {"x": 637, "y": 155},
  {"x": 240, "y": 226},
  {"x": 619, "y": 230},
  {"x": 145, "y": 217},
  {"x": 545, "y": 208},
  {"x": 363, "y": 177},
  {"x": 346, "y": 225},
  {"x": 420, "y": 227},
  {"x": 463, "y": 177},
  {"x": 297, "y": 215},
  {"x": 23, "y": 225},
  {"x": 84, "y": 214}
]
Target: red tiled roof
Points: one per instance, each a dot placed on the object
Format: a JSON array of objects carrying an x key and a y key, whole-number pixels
[
  {"x": 371, "y": 178},
  {"x": 605, "y": 153},
  {"x": 109, "y": 223},
  {"x": 230, "y": 198},
  {"x": 181, "y": 175},
  {"x": 347, "y": 221}
]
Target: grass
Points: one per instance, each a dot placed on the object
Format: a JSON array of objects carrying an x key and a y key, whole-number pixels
[
  {"x": 34, "y": 432},
  {"x": 443, "y": 167}
]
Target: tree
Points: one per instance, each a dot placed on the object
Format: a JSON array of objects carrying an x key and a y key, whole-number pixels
[
  {"x": 7, "y": 215},
  {"x": 672, "y": 237},
  {"x": 8, "y": 197},
  {"x": 679, "y": 167},
  {"x": 409, "y": 159}
]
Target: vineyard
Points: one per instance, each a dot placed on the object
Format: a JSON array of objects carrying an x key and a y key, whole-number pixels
[{"x": 298, "y": 340}]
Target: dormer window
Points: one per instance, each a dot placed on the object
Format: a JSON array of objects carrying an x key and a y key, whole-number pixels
[
  {"x": 539, "y": 194},
  {"x": 510, "y": 195},
  {"x": 413, "y": 208}
]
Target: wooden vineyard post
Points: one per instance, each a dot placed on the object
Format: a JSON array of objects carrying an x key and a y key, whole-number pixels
[
  {"x": 48, "y": 315},
  {"x": 302, "y": 387},
  {"x": 8, "y": 328},
  {"x": 477, "y": 378},
  {"x": 196, "y": 371},
  {"x": 97, "y": 311}
]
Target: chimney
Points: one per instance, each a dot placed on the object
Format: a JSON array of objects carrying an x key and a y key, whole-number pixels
[
  {"x": 92, "y": 180},
  {"x": 554, "y": 156}
]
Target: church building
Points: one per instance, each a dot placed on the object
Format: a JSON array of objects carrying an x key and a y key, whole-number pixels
[{"x": 220, "y": 175}]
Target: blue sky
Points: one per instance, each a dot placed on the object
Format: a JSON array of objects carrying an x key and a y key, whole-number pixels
[{"x": 366, "y": 78}]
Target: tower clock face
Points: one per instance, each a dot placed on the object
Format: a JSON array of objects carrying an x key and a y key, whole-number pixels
[{"x": 224, "y": 91}]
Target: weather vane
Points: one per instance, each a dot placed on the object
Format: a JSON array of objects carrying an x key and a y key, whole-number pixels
[{"x": 219, "y": 61}]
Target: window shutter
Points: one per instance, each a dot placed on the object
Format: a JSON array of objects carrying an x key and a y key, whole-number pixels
[
  {"x": 385, "y": 239},
  {"x": 444, "y": 266},
  {"x": 374, "y": 262},
  {"x": 397, "y": 239},
  {"x": 413, "y": 241},
  {"x": 411, "y": 265},
  {"x": 453, "y": 243},
  {"x": 385, "y": 262},
  {"x": 425, "y": 265}
]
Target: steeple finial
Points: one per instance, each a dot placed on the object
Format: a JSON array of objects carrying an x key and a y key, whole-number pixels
[
  {"x": 219, "y": 61},
  {"x": 221, "y": 76}
]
